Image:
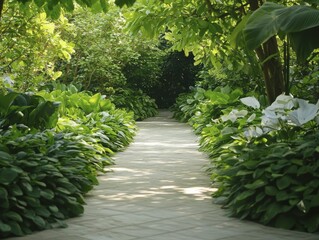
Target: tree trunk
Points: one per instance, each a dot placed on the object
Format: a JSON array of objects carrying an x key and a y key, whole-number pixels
[
  {"x": 1, "y": 7},
  {"x": 269, "y": 57}
]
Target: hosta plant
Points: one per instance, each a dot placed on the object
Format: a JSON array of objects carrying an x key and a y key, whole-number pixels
[
  {"x": 93, "y": 115},
  {"x": 43, "y": 178},
  {"x": 268, "y": 172},
  {"x": 134, "y": 101}
]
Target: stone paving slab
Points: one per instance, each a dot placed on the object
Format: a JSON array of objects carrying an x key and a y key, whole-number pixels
[{"x": 158, "y": 190}]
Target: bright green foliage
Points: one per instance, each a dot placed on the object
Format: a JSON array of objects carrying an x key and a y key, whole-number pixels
[
  {"x": 105, "y": 56},
  {"x": 44, "y": 174},
  {"x": 30, "y": 45},
  {"x": 54, "y": 8},
  {"x": 93, "y": 116},
  {"x": 263, "y": 162},
  {"x": 192, "y": 26},
  {"x": 134, "y": 101},
  {"x": 204, "y": 105}
]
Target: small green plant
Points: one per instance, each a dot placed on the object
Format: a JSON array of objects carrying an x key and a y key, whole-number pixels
[{"x": 134, "y": 101}]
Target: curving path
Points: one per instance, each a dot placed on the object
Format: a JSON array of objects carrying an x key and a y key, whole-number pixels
[{"x": 159, "y": 191}]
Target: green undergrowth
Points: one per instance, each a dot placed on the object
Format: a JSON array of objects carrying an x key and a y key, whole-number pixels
[
  {"x": 52, "y": 147},
  {"x": 134, "y": 101},
  {"x": 263, "y": 160}
]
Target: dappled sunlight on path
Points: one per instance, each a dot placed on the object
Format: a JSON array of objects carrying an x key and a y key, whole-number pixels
[{"x": 158, "y": 190}]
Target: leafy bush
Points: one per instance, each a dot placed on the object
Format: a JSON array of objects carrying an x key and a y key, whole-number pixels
[
  {"x": 47, "y": 164},
  {"x": 134, "y": 101},
  {"x": 43, "y": 178},
  {"x": 264, "y": 162},
  {"x": 271, "y": 176},
  {"x": 200, "y": 106},
  {"x": 30, "y": 110},
  {"x": 93, "y": 115}
]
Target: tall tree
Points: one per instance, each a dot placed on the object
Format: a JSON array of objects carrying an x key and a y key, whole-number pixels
[{"x": 205, "y": 28}]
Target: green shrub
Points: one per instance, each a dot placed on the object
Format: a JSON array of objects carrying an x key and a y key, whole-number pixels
[
  {"x": 264, "y": 162},
  {"x": 43, "y": 178},
  {"x": 30, "y": 110},
  {"x": 48, "y": 163},
  {"x": 93, "y": 116},
  {"x": 134, "y": 101}
]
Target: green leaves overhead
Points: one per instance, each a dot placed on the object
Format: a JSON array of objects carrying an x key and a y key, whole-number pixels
[
  {"x": 121, "y": 3},
  {"x": 53, "y": 7},
  {"x": 299, "y": 23}
]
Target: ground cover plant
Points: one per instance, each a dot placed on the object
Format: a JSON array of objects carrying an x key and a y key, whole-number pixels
[
  {"x": 134, "y": 101},
  {"x": 51, "y": 153},
  {"x": 263, "y": 159}
]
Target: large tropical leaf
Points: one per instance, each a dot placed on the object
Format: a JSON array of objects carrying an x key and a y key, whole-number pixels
[
  {"x": 304, "y": 42},
  {"x": 262, "y": 25},
  {"x": 300, "y": 23}
]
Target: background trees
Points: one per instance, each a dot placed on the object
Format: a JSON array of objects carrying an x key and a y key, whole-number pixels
[
  {"x": 206, "y": 28},
  {"x": 30, "y": 45}
]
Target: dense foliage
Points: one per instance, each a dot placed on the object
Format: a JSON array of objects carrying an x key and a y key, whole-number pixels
[
  {"x": 30, "y": 46},
  {"x": 263, "y": 160},
  {"x": 53, "y": 142},
  {"x": 134, "y": 101},
  {"x": 51, "y": 149}
]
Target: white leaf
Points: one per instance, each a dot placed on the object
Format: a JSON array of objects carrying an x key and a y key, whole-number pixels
[
  {"x": 251, "y": 118},
  {"x": 251, "y": 102},
  {"x": 305, "y": 113},
  {"x": 234, "y": 114}
]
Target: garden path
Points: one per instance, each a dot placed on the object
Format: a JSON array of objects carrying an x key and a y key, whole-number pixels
[{"x": 158, "y": 190}]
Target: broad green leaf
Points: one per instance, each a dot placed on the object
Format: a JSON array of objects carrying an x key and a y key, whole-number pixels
[
  {"x": 283, "y": 182},
  {"x": 285, "y": 221},
  {"x": 4, "y": 201},
  {"x": 68, "y": 5},
  {"x": 283, "y": 196},
  {"x": 245, "y": 194},
  {"x": 236, "y": 36},
  {"x": 300, "y": 23},
  {"x": 273, "y": 210},
  {"x": 13, "y": 216},
  {"x": 39, "y": 3},
  {"x": 217, "y": 97},
  {"x": 6, "y": 101},
  {"x": 7, "y": 175},
  {"x": 6, "y": 156},
  {"x": 53, "y": 209},
  {"x": 39, "y": 221},
  {"x": 262, "y": 25},
  {"x": 16, "y": 190},
  {"x": 15, "y": 228},
  {"x": 104, "y": 5},
  {"x": 4, "y": 227},
  {"x": 256, "y": 184},
  {"x": 43, "y": 212},
  {"x": 271, "y": 190},
  {"x": 47, "y": 194},
  {"x": 121, "y": 3}
]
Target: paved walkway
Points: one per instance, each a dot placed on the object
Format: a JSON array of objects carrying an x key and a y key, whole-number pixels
[{"x": 159, "y": 191}]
